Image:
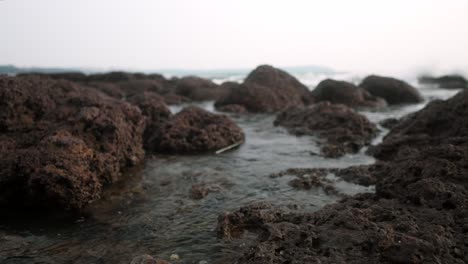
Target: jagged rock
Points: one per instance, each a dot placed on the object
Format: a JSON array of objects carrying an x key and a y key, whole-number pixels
[
  {"x": 440, "y": 122},
  {"x": 345, "y": 130},
  {"x": 194, "y": 130},
  {"x": 62, "y": 143}
]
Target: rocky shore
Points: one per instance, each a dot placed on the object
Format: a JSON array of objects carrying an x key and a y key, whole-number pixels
[
  {"x": 67, "y": 138},
  {"x": 417, "y": 215}
]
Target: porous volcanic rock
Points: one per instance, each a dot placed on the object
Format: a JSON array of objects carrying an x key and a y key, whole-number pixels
[
  {"x": 194, "y": 130},
  {"x": 267, "y": 89},
  {"x": 440, "y": 122},
  {"x": 156, "y": 112},
  {"x": 341, "y": 92},
  {"x": 62, "y": 143},
  {"x": 394, "y": 91},
  {"x": 342, "y": 127},
  {"x": 446, "y": 81}
]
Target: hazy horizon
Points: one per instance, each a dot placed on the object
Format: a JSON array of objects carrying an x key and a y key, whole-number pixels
[{"x": 362, "y": 36}]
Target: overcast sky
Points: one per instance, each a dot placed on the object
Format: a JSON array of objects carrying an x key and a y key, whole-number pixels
[{"x": 358, "y": 35}]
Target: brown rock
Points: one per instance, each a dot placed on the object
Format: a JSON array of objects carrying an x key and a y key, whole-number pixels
[
  {"x": 156, "y": 112},
  {"x": 194, "y": 130},
  {"x": 62, "y": 142},
  {"x": 345, "y": 130},
  {"x": 267, "y": 89},
  {"x": 440, "y": 122},
  {"x": 199, "y": 89},
  {"x": 394, "y": 91},
  {"x": 341, "y": 92}
]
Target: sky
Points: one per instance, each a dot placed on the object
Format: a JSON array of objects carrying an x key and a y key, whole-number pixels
[{"x": 359, "y": 35}]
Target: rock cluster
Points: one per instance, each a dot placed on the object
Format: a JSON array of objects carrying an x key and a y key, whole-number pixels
[
  {"x": 344, "y": 130},
  {"x": 417, "y": 215}
]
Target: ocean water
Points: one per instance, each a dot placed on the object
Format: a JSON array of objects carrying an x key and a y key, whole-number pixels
[{"x": 152, "y": 211}]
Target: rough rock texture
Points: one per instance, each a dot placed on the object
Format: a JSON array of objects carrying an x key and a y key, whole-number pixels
[
  {"x": 417, "y": 215},
  {"x": 156, "y": 112},
  {"x": 394, "y": 91},
  {"x": 344, "y": 129},
  {"x": 440, "y": 122},
  {"x": 194, "y": 130},
  {"x": 266, "y": 89},
  {"x": 199, "y": 89},
  {"x": 389, "y": 123},
  {"x": 341, "y": 92},
  {"x": 447, "y": 81},
  {"x": 122, "y": 85},
  {"x": 62, "y": 143}
]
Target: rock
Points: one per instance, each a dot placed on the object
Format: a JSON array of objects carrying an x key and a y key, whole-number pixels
[
  {"x": 394, "y": 91},
  {"x": 440, "y": 122},
  {"x": 69, "y": 76},
  {"x": 446, "y": 81},
  {"x": 341, "y": 92},
  {"x": 174, "y": 99},
  {"x": 266, "y": 89},
  {"x": 232, "y": 108},
  {"x": 62, "y": 143},
  {"x": 156, "y": 112},
  {"x": 194, "y": 130},
  {"x": 199, "y": 89},
  {"x": 389, "y": 123},
  {"x": 345, "y": 130}
]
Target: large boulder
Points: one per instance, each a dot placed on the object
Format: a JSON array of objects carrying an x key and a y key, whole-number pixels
[
  {"x": 267, "y": 89},
  {"x": 344, "y": 130},
  {"x": 194, "y": 130},
  {"x": 440, "y": 122},
  {"x": 394, "y": 91},
  {"x": 446, "y": 81},
  {"x": 341, "y": 92},
  {"x": 63, "y": 143}
]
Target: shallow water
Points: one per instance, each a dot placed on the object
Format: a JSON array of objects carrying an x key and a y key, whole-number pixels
[{"x": 153, "y": 213}]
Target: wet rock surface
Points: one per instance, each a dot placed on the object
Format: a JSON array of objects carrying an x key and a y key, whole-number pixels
[
  {"x": 266, "y": 89},
  {"x": 446, "y": 81},
  {"x": 62, "y": 143},
  {"x": 440, "y": 122},
  {"x": 417, "y": 215},
  {"x": 341, "y": 92},
  {"x": 394, "y": 91},
  {"x": 194, "y": 130},
  {"x": 344, "y": 130}
]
